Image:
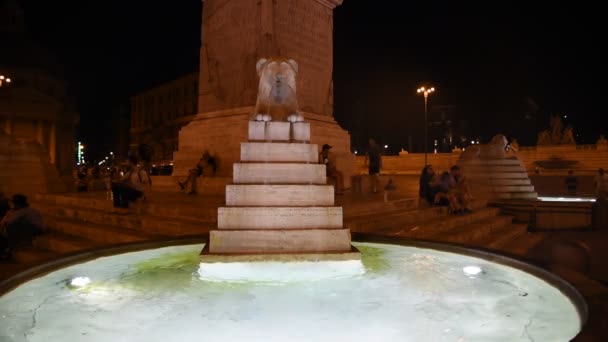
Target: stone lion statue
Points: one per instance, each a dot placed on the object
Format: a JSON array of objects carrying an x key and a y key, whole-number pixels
[
  {"x": 277, "y": 91},
  {"x": 495, "y": 148}
]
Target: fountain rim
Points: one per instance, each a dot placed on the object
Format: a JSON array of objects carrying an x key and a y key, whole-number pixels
[{"x": 567, "y": 289}]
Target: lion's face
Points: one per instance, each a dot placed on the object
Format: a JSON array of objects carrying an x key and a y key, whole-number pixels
[{"x": 277, "y": 78}]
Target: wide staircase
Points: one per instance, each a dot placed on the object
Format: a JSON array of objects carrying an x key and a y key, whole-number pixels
[
  {"x": 485, "y": 227},
  {"x": 80, "y": 222}
]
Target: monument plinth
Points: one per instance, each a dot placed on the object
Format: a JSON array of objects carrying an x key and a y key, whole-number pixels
[
  {"x": 280, "y": 207},
  {"x": 236, "y": 34},
  {"x": 495, "y": 175}
]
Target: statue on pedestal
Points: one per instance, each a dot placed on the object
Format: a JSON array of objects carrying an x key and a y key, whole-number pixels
[
  {"x": 277, "y": 99},
  {"x": 544, "y": 138},
  {"x": 602, "y": 143},
  {"x": 568, "y": 137},
  {"x": 556, "y": 129}
]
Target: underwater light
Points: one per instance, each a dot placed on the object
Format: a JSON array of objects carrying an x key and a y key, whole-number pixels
[
  {"x": 471, "y": 270},
  {"x": 80, "y": 281},
  {"x": 566, "y": 199}
]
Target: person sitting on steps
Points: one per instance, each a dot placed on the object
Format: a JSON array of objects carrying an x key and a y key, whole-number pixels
[
  {"x": 461, "y": 190},
  {"x": 330, "y": 169},
  {"x": 207, "y": 162},
  {"x": 131, "y": 187},
  {"x": 19, "y": 226},
  {"x": 444, "y": 193}
]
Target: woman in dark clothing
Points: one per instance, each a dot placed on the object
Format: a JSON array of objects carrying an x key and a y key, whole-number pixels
[{"x": 425, "y": 190}]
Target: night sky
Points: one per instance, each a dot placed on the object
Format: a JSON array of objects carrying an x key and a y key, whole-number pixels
[{"x": 506, "y": 66}]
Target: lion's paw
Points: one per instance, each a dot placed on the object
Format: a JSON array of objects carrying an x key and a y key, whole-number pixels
[
  {"x": 295, "y": 118},
  {"x": 262, "y": 117}
]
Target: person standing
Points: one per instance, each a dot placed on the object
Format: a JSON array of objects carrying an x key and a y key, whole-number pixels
[
  {"x": 330, "y": 169},
  {"x": 571, "y": 183},
  {"x": 374, "y": 159},
  {"x": 601, "y": 183}
]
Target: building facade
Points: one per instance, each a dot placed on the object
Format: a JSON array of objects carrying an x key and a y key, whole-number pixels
[
  {"x": 158, "y": 114},
  {"x": 35, "y": 106}
]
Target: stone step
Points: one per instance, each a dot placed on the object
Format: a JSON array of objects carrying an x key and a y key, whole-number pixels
[
  {"x": 516, "y": 195},
  {"x": 491, "y": 169},
  {"x": 279, "y": 152},
  {"x": 489, "y": 161},
  {"x": 508, "y": 182},
  {"x": 101, "y": 233},
  {"x": 137, "y": 222},
  {"x": 520, "y": 244},
  {"x": 278, "y": 241},
  {"x": 279, "y": 195},
  {"x": 473, "y": 231},
  {"x": 204, "y": 185},
  {"x": 63, "y": 243},
  {"x": 378, "y": 208},
  {"x": 278, "y": 173},
  {"x": 181, "y": 210},
  {"x": 279, "y": 217},
  {"x": 504, "y": 236},
  {"x": 366, "y": 223},
  {"x": 496, "y": 175},
  {"x": 513, "y": 188},
  {"x": 32, "y": 255},
  {"x": 428, "y": 228},
  {"x": 74, "y": 200}
]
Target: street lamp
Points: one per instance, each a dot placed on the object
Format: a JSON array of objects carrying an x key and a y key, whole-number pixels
[
  {"x": 425, "y": 92},
  {"x": 4, "y": 81}
]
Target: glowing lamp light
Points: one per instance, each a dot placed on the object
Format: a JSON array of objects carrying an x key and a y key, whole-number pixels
[
  {"x": 471, "y": 270},
  {"x": 385, "y": 146},
  {"x": 80, "y": 281}
]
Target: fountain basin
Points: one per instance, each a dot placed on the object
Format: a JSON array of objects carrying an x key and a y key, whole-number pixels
[
  {"x": 552, "y": 213},
  {"x": 411, "y": 293}
]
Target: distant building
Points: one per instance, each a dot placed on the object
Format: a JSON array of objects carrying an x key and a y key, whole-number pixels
[
  {"x": 446, "y": 130},
  {"x": 35, "y": 106},
  {"x": 158, "y": 114}
]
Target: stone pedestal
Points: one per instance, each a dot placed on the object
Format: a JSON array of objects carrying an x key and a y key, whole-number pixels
[
  {"x": 221, "y": 134},
  {"x": 279, "y": 206},
  {"x": 236, "y": 34}
]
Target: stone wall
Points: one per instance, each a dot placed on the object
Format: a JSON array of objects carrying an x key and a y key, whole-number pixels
[
  {"x": 588, "y": 159},
  {"x": 26, "y": 168}
]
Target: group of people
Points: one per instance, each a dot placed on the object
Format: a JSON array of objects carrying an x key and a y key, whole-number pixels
[
  {"x": 133, "y": 185},
  {"x": 19, "y": 224},
  {"x": 446, "y": 189}
]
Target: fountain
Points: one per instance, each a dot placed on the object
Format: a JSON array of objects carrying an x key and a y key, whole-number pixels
[{"x": 280, "y": 266}]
